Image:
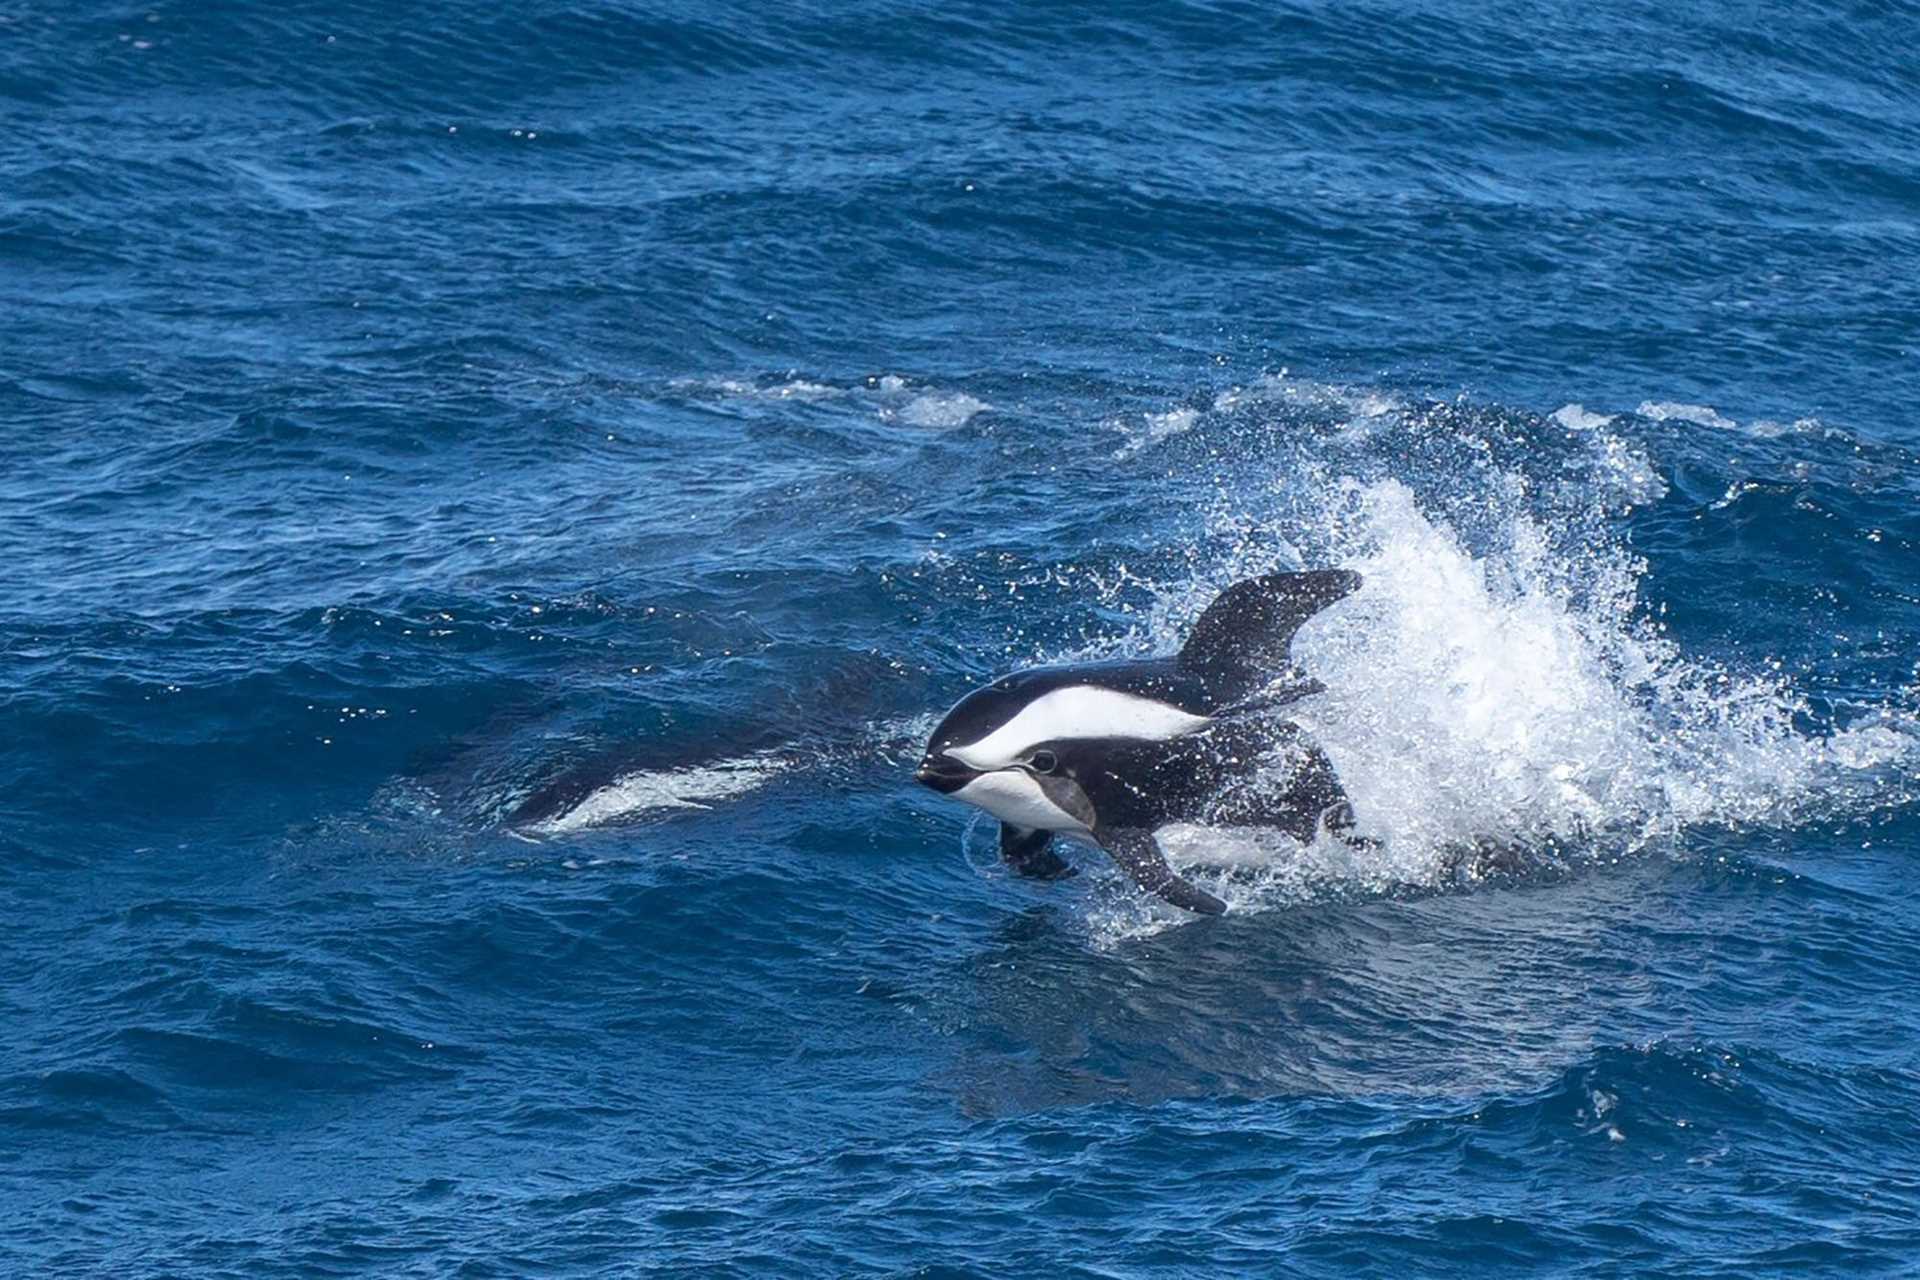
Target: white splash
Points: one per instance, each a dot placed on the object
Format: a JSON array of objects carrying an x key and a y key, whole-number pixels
[
  {"x": 1154, "y": 428},
  {"x": 1700, "y": 414},
  {"x": 890, "y": 397},
  {"x": 1768, "y": 429},
  {"x": 1510, "y": 699},
  {"x": 793, "y": 388},
  {"x": 1357, "y": 404},
  {"x": 1631, "y": 471},
  {"x": 1248, "y": 868},
  {"x": 1520, "y": 698},
  {"x": 1576, "y": 417},
  {"x": 1465, "y": 702},
  {"x": 936, "y": 409}
]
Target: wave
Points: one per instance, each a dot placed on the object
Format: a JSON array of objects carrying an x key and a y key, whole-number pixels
[{"x": 890, "y": 397}]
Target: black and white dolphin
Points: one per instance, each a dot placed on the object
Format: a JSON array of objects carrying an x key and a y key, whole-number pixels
[{"x": 1110, "y": 752}]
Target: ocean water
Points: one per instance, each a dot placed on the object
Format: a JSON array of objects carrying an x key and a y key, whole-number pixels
[{"x": 492, "y": 498}]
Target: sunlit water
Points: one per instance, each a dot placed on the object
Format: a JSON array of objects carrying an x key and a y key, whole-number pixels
[{"x": 493, "y": 501}]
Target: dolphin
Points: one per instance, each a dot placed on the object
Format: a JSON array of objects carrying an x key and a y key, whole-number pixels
[{"x": 1109, "y": 752}]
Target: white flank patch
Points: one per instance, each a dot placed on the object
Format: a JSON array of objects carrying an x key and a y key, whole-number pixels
[
  {"x": 1012, "y": 796},
  {"x": 1077, "y": 711},
  {"x": 633, "y": 794}
]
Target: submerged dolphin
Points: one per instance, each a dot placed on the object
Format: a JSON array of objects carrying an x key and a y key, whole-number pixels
[{"x": 1111, "y": 751}]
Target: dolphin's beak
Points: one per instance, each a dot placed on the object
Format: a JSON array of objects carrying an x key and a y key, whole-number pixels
[{"x": 944, "y": 774}]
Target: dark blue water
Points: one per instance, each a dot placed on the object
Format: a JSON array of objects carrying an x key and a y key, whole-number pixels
[{"x": 492, "y": 499}]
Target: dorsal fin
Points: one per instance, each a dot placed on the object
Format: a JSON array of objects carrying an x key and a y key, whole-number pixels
[{"x": 1244, "y": 638}]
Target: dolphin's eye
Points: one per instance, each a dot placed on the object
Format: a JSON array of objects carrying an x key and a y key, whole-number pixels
[{"x": 1042, "y": 761}]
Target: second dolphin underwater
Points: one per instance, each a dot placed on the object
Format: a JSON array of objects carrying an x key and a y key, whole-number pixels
[{"x": 1112, "y": 751}]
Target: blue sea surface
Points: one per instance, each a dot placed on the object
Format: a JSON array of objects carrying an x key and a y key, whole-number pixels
[{"x": 494, "y": 496}]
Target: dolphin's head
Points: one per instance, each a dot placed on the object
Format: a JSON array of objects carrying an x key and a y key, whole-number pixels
[
  {"x": 1017, "y": 769},
  {"x": 1019, "y": 746}
]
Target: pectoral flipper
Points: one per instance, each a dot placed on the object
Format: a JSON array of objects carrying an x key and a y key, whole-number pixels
[
  {"x": 1139, "y": 855},
  {"x": 1029, "y": 852}
]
